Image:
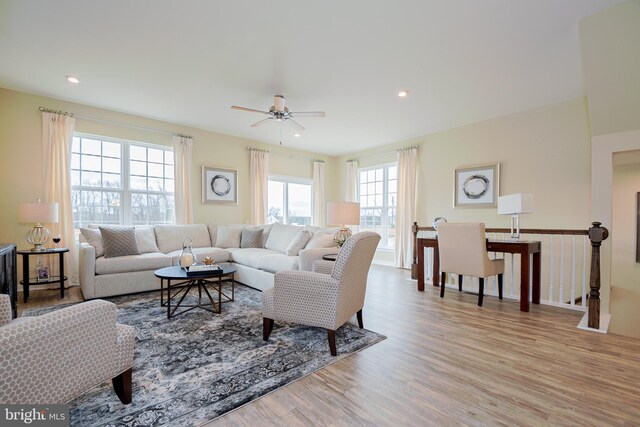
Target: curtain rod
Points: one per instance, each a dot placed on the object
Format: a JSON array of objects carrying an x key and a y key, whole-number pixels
[
  {"x": 109, "y": 122},
  {"x": 290, "y": 156},
  {"x": 383, "y": 153}
]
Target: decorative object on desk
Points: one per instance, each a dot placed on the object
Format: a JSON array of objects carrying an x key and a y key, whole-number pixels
[
  {"x": 56, "y": 240},
  {"x": 207, "y": 260},
  {"x": 514, "y": 205},
  {"x": 437, "y": 221},
  {"x": 203, "y": 269},
  {"x": 343, "y": 214},
  {"x": 187, "y": 257},
  {"x": 477, "y": 186},
  {"x": 38, "y": 213},
  {"x": 219, "y": 185}
]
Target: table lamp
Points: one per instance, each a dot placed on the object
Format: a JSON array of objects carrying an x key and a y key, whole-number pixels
[
  {"x": 38, "y": 213},
  {"x": 514, "y": 205},
  {"x": 343, "y": 214}
]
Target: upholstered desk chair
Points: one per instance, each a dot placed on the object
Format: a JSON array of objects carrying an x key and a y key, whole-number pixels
[
  {"x": 463, "y": 250},
  {"x": 323, "y": 300},
  {"x": 57, "y": 356}
]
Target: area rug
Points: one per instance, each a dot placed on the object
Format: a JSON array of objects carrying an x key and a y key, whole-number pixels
[{"x": 198, "y": 365}]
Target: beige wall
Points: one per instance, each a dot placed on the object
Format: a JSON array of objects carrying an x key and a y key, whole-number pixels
[
  {"x": 20, "y": 157},
  {"x": 609, "y": 43},
  {"x": 625, "y": 271},
  {"x": 544, "y": 151}
]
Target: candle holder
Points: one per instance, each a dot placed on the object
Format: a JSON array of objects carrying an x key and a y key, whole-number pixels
[{"x": 187, "y": 257}]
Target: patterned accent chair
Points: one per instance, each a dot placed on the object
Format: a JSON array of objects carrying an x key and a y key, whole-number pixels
[
  {"x": 57, "y": 356},
  {"x": 463, "y": 250},
  {"x": 323, "y": 300}
]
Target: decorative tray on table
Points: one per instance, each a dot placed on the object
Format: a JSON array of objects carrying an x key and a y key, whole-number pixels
[{"x": 203, "y": 269}]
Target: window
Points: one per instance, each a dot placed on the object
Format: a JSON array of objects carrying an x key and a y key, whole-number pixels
[
  {"x": 378, "y": 198},
  {"x": 120, "y": 182},
  {"x": 289, "y": 201}
]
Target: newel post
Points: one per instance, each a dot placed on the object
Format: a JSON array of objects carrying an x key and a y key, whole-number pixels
[
  {"x": 597, "y": 235},
  {"x": 414, "y": 262}
]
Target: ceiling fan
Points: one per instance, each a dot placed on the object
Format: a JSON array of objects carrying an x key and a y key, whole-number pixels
[{"x": 280, "y": 113}]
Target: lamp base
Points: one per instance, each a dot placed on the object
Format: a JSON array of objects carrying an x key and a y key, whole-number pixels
[
  {"x": 341, "y": 236},
  {"x": 38, "y": 236},
  {"x": 515, "y": 227}
]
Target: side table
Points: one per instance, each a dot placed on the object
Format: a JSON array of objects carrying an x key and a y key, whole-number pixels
[
  {"x": 330, "y": 257},
  {"x": 26, "y": 280}
]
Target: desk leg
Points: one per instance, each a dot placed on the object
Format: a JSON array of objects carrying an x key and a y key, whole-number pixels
[
  {"x": 536, "y": 278},
  {"x": 25, "y": 278},
  {"x": 524, "y": 281},
  {"x": 61, "y": 261},
  {"x": 436, "y": 267},
  {"x": 420, "y": 268}
]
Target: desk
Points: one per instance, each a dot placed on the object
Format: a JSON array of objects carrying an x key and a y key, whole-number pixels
[
  {"x": 26, "y": 281},
  {"x": 522, "y": 247}
]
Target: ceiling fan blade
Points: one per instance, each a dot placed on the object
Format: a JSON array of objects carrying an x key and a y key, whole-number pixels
[
  {"x": 251, "y": 110},
  {"x": 308, "y": 114},
  {"x": 261, "y": 122},
  {"x": 297, "y": 126}
]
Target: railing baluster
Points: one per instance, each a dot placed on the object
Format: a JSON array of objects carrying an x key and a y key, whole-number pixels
[
  {"x": 573, "y": 270},
  {"x": 583, "y": 302},
  {"x": 551, "y": 270},
  {"x": 561, "y": 281}
]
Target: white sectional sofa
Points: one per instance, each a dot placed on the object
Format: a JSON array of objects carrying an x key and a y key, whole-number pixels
[{"x": 282, "y": 247}]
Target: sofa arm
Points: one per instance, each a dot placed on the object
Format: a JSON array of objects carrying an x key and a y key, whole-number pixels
[
  {"x": 54, "y": 357},
  {"x": 5, "y": 309},
  {"x": 87, "y": 270},
  {"x": 308, "y": 256}
]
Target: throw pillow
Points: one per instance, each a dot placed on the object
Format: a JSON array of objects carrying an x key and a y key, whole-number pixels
[
  {"x": 251, "y": 238},
  {"x": 298, "y": 243},
  {"x": 94, "y": 238},
  {"x": 119, "y": 241},
  {"x": 146, "y": 238},
  {"x": 321, "y": 240},
  {"x": 281, "y": 236},
  {"x": 228, "y": 237}
]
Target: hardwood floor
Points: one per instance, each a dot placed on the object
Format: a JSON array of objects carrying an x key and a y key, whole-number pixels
[{"x": 449, "y": 362}]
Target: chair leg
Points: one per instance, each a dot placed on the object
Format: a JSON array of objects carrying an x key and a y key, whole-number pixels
[
  {"x": 267, "y": 327},
  {"x": 500, "y": 286},
  {"x": 442, "y": 283},
  {"x": 359, "y": 315},
  {"x": 122, "y": 386},
  {"x": 331, "y": 335},
  {"x": 480, "y": 291},
  {"x": 460, "y": 276}
]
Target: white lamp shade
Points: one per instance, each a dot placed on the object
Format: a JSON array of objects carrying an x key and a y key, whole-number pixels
[
  {"x": 343, "y": 213},
  {"x": 515, "y": 204},
  {"x": 38, "y": 212}
]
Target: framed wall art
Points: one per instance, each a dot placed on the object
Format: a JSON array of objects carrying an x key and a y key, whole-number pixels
[
  {"x": 477, "y": 186},
  {"x": 219, "y": 185}
]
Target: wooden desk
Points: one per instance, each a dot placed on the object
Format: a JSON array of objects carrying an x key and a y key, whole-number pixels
[{"x": 522, "y": 247}]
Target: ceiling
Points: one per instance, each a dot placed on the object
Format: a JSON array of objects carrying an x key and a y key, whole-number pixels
[{"x": 187, "y": 62}]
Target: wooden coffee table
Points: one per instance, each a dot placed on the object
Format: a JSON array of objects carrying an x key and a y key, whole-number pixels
[{"x": 179, "y": 285}]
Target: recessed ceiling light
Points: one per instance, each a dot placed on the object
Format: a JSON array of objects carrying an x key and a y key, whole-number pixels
[
  {"x": 73, "y": 79},
  {"x": 403, "y": 93},
  {"x": 296, "y": 134}
]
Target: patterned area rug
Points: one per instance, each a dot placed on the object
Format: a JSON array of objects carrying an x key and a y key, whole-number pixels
[{"x": 198, "y": 365}]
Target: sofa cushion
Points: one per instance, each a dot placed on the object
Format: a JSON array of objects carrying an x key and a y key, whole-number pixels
[
  {"x": 281, "y": 236},
  {"x": 298, "y": 243},
  {"x": 146, "y": 238},
  {"x": 250, "y": 256},
  {"x": 169, "y": 237},
  {"x": 94, "y": 238},
  {"x": 228, "y": 237},
  {"x": 277, "y": 262},
  {"x": 119, "y": 241},
  {"x": 213, "y": 233},
  {"x": 251, "y": 238},
  {"x": 129, "y": 263},
  {"x": 218, "y": 255},
  {"x": 321, "y": 240}
]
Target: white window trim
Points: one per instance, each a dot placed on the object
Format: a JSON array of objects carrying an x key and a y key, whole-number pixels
[
  {"x": 293, "y": 180},
  {"x": 385, "y": 208}
]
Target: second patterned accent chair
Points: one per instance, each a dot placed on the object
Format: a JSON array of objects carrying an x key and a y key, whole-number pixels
[
  {"x": 55, "y": 357},
  {"x": 463, "y": 250},
  {"x": 323, "y": 300}
]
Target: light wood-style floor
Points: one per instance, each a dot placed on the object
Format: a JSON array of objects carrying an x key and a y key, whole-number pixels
[{"x": 449, "y": 362}]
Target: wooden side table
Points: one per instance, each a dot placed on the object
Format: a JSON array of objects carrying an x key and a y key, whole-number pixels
[{"x": 26, "y": 280}]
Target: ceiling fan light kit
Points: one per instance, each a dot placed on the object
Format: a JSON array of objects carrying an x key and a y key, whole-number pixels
[{"x": 280, "y": 113}]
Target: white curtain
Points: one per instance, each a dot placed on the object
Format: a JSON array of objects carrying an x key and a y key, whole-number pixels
[
  {"x": 351, "y": 193},
  {"x": 319, "y": 199},
  {"x": 57, "y": 137},
  {"x": 259, "y": 180},
  {"x": 183, "y": 149},
  {"x": 406, "y": 207}
]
